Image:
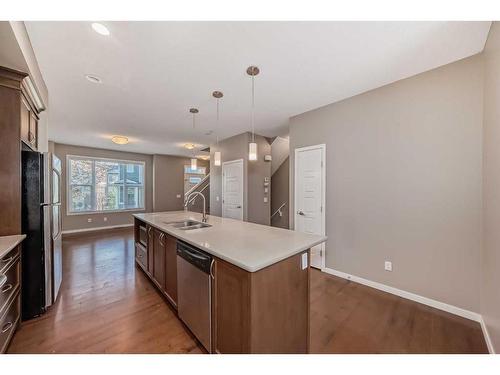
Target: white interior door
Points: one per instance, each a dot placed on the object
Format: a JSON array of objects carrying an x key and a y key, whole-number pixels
[
  {"x": 232, "y": 189},
  {"x": 310, "y": 196}
]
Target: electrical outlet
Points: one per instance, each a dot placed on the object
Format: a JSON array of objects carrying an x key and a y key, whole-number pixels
[
  {"x": 217, "y": 199},
  {"x": 388, "y": 265},
  {"x": 105, "y": 218},
  {"x": 89, "y": 220},
  {"x": 178, "y": 195}
]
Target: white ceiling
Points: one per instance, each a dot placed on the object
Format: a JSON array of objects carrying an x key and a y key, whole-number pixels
[{"x": 153, "y": 72}]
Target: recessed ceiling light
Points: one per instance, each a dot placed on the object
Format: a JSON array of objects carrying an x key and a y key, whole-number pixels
[
  {"x": 93, "y": 79},
  {"x": 119, "y": 140},
  {"x": 189, "y": 146},
  {"x": 100, "y": 28}
]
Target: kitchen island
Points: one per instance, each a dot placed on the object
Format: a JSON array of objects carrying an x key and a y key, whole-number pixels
[{"x": 257, "y": 294}]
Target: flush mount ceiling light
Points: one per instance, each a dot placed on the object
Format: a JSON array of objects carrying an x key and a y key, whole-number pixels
[
  {"x": 217, "y": 155},
  {"x": 93, "y": 79},
  {"x": 100, "y": 28},
  {"x": 203, "y": 157},
  {"x": 189, "y": 146},
  {"x": 119, "y": 140},
  {"x": 252, "y": 71}
]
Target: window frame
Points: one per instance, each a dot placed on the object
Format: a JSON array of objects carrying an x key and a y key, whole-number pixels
[{"x": 92, "y": 186}]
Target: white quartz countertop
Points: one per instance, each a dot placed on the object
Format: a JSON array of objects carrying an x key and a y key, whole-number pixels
[
  {"x": 7, "y": 243},
  {"x": 246, "y": 245}
]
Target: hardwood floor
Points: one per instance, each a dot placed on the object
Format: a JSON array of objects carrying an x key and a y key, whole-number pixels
[{"x": 107, "y": 305}]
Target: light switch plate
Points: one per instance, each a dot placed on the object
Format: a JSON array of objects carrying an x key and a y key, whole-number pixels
[
  {"x": 388, "y": 266},
  {"x": 265, "y": 199},
  {"x": 304, "y": 261},
  {"x": 178, "y": 195}
]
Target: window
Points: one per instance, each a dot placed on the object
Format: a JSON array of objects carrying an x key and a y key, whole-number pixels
[
  {"x": 99, "y": 185},
  {"x": 188, "y": 170}
]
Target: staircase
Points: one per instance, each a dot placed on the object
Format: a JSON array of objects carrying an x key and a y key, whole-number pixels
[{"x": 196, "y": 203}]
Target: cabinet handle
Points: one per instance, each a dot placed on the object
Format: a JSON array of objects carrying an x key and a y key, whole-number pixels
[
  {"x": 162, "y": 236},
  {"x": 7, "y": 287},
  {"x": 211, "y": 269},
  {"x": 149, "y": 231},
  {"x": 7, "y": 326}
]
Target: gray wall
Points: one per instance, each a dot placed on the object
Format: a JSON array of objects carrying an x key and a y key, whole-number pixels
[
  {"x": 233, "y": 148},
  {"x": 168, "y": 178},
  {"x": 404, "y": 181},
  {"x": 490, "y": 282},
  {"x": 80, "y": 221},
  {"x": 280, "y": 192}
]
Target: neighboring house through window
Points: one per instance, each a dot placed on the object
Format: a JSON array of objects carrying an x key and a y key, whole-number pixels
[{"x": 100, "y": 185}]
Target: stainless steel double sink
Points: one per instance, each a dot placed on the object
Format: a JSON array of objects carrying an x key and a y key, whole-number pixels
[{"x": 188, "y": 224}]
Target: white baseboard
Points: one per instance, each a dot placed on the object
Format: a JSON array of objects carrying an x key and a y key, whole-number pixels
[
  {"x": 408, "y": 295},
  {"x": 487, "y": 338},
  {"x": 96, "y": 228}
]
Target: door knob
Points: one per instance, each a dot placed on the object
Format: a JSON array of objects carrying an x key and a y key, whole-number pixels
[{"x": 300, "y": 213}]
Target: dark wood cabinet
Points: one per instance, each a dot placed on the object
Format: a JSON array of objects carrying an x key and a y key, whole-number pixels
[
  {"x": 29, "y": 124},
  {"x": 171, "y": 267},
  {"x": 230, "y": 309},
  {"x": 150, "y": 248},
  {"x": 25, "y": 120},
  {"x": 33, "y": 131},
  {"x": 261, "y": 312},
  {"x": 10, "y": 298},
  {"x": 159, "y": 258}
]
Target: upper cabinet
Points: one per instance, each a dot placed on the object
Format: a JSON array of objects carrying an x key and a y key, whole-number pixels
[{"x": 29, "y": 124}]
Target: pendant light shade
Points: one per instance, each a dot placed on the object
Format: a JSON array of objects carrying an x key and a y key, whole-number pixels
[
  {"x": 217, "y": 158},
  {"x": 252, "y": 71},
  {"x": 252, "y": 151},
  {"x": 194, "y": 165}
]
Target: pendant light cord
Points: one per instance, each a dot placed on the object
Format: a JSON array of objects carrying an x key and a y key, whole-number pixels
[
  {"x": 253, "y": 108},
  {"x": 217, "y": 134}
]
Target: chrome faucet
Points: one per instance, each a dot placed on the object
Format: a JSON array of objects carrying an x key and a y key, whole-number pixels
[{"x": 204, "y": 206}]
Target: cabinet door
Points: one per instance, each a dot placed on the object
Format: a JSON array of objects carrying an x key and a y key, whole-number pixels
[
  {"x": 159, "y": 258},
  {"x": 150, "y": 248},
  {"x": 25, "y": 121},
  {"x": 33, "y": 131},
  {"x": 231, "y": 309},
  {"x": 171, "y": 267}
]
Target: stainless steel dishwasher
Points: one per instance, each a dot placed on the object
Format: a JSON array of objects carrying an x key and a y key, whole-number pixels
[{"x": 194, "y": 285}]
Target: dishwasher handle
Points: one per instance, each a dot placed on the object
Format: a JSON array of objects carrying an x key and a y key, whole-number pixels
[{"x": 196, "y": 257}]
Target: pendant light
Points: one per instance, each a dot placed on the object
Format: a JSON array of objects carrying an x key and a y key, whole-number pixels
[
  {"x": 194, "y": 165},
  {"x": 217, "y": 155},
  {"x": 252, "y": 71}
]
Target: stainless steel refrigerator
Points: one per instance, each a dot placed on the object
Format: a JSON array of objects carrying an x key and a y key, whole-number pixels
[{"x": 41, "y": 222}]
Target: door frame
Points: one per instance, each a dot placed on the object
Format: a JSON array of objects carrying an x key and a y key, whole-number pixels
[
  {"x": 242, "y": 185},
  {"x": 322, "y": 147}
]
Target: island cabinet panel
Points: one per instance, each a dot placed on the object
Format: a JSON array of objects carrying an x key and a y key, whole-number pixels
[
  {"x": 230, "y": 309},
  {"x": 150, "y": 248},
  {"x": 171, "y": 268},
  {"x": 261, "y": 312},
  {"x": 159, "y": 258}
]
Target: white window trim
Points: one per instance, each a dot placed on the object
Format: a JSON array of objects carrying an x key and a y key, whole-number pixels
[{"x": 68, "y": 186}]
